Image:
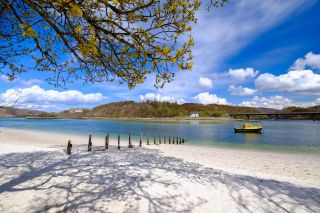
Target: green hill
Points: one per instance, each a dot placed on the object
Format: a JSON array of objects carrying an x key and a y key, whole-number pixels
[
  {"x": 16, "y": 112},
  {"x": 154, "y": 109},
  {"x": 149, "y": 109}
]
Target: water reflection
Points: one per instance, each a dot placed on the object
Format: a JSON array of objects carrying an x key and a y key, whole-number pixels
[
  {"x": 194, "y": 122},
  {"x": 251, "y": 137}
]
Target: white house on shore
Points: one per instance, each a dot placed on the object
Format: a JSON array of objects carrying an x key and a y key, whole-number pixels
[
  {"x": 194, "y": 115},
  {"x": 75, "y": 110}
]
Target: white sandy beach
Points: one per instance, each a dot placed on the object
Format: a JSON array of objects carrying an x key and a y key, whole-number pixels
[{"x": 37, "y": 176}]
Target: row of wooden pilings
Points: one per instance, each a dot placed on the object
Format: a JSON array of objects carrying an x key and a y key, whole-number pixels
[{"x": 171, "y": 140}]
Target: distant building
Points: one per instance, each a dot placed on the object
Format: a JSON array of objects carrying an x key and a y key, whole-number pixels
[
  {"x": 71, "y": 111},
  {"x": 194, "y": 114}
]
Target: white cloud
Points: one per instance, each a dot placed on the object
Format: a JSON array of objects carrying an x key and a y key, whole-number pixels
[
  {"x": 207, "y": 98},
  {"x": 241, "y": 74},
  {"x": 302, "y": 81},
  {"x": 241, "y": 91},
  {"x": 205, "y": 83},
  {"x": 37, "y": 98},
  {"x": 275, "y": 102},
  {"x": 310, "y": 60},
  {"x": 25, "y": 83},
  {"x": 161, "y": 98},
  {"x": 30, "y": 82}
]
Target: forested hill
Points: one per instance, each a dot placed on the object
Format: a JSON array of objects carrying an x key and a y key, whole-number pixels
[
  {"x": 150, "y": 109},
  {"x": 16, "y": 112},
  {"x": 153, "y": 109}
]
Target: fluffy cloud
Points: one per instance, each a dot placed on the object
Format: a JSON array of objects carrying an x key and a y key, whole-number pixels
[
  {"x": 242, "y": 74},
  {"x": 303, "y": 81},
  {"x": 310, "y": 60},
  {"x": 161, "y": 98},
  {"x": 241, "y": 91},
  {"x": 275, "y": 102},
  {"x": 207, "y": 98},
  {"x": 37, "y": 98},
  {"x": 205, "y": 83}
]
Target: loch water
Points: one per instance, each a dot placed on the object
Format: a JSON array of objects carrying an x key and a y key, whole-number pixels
[{"x": 285, "y": 135}]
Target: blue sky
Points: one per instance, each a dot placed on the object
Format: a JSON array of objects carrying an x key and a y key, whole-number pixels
[{"x": 249, "y": 53}]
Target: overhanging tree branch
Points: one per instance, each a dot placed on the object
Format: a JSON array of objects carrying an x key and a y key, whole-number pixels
[{"x": 97, "y": 40}]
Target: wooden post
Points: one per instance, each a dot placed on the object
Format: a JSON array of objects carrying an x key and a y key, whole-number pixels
[
  {"x": 154, "y": 140},
  {"x": 140, "y": 140},
  {"x": 118, "y": 141},
  {"x": 90, "y": 144},
  {"x": 164, "y": 138},
  {"x": 159, "y": 139},
  {"x": 69, "y": 146},
  {"x": 177, "y": 140},
  {"x": 169, "y": 140},
  {"x": 130, "y": 144},
  {"x": 147, "y": 140},
  {"x": 180, "y": 141},
  {"x": 172, "y": 140},
  {"x": 107, "y": 142}
]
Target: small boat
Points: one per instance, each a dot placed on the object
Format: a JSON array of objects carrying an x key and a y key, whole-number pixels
[{"x": 249, "y": 128}]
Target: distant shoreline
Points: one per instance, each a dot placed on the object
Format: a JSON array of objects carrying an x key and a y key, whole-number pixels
[
  {"x": 161, "y": 119},
  {"x": 174, "y": 119}
]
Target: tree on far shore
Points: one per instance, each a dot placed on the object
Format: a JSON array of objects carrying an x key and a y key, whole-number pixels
[{"x": 98, "y": 40}]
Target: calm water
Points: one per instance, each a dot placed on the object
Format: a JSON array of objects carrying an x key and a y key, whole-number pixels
[{"x": 277, "y": 135}]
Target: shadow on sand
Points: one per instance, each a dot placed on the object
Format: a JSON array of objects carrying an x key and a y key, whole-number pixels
[{"x": 129, "y": 181}]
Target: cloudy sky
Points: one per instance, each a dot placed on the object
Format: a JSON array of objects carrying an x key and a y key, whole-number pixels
[{"x": 249, "y": 53}]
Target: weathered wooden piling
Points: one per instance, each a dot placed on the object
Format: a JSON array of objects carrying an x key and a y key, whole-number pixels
[
  {"x": 159, "y": 139},
  {"x": 118, "y": 141},
  {"x": 164, "y": 139},
  {"x": 154, "y": 140},
  {"x": 140, "y": 144},
  {"x": 90, "y": 143},
  {"x": 177, "y": 140},
  {"x": 147, "y": 140},
  {"x": 106, "y": 143},
  {"x": 180, "y": 141},
  {"x": 172, "y": 140},
  {"x": 130, "y": 144},
  {"x": 169, "y": 140},
  {"x": 69, "y": 146}
]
